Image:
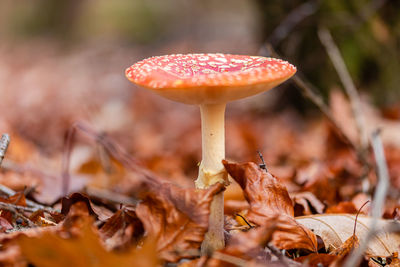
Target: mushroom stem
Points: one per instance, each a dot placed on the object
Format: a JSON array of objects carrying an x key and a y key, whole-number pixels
[{"x": 212, "y": 171}]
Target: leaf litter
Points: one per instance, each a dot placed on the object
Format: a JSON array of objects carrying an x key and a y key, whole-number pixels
[{"x": 119, "y": 211}]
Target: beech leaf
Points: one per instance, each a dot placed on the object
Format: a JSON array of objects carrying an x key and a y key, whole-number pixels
[
  {"x": 176, "y": 218},
  {"x": 270, "y": 201},
  {"x": 50, "y": 249},
  {"x": 335, "y": 229}
]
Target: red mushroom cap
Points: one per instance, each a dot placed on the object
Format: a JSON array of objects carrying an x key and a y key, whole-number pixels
[{"x": 209, "y": 78}]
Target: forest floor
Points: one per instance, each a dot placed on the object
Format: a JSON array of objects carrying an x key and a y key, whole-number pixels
[{"x": 101, "y": 173}]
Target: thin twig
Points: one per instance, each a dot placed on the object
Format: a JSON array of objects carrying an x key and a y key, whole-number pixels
[
  {"x": 309, "y": 91},
  {"x": 14, "y": 210},
  {"x": 358, "y": 213},
  {"x": 110, "y": 196},
  {"x": 379, "y": 199},
  {"x": 262, "y": 165},
  {"x": 4, "y": 205},
  {"x": 371, "y": 8},
  {"x": 68, "y": 144},
  {"x": 294, "y": 17},
  {"x": 344, "y": 75},
  {"x": 9, "y": 192},
  {"x": 115, "y": 150},
  {"x": 4, "y": 142}
]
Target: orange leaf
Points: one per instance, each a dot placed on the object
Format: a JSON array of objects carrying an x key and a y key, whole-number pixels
[
  {"x": 270, "y": 201},
  {"x": 177, "y": 218},
  {"x": 50, "y": 249}
]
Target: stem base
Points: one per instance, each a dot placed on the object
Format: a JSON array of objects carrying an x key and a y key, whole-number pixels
[{"x": 214, "y": 238}]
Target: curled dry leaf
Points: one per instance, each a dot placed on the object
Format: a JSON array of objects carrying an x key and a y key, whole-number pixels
[
  {"x": 308, "y": 202},
  {"x": 49, "y": 249},
  {"x": 335, "y": 229},
  {"x": 176, "y": 218},
  {"x": 67, "y": 202},
  {"x": 351, "y": 243},
  {"x": 122, "y": 229},
  {"x": 270, "y": 202}
]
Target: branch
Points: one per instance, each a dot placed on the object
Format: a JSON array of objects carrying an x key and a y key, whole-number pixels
[
  {"x": 310, "y": 92},
  {"x": 110, "y": 146},
  {"x": 4, "y": 142},
  {"x": 111, "y": 196},
  {"x": 295, "y": 16},
  {"x": 15, "y": 210},
  {"x": 9, "y": 192},
  {"x": 338, "y": 62},
  {"x": 379, "y": 199}
]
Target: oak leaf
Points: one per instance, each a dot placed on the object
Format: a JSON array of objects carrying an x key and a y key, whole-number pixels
[{"x": 270, "y": 201}]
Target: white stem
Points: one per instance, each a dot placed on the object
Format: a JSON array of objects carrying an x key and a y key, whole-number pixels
[{"x": 212, "y": 171}]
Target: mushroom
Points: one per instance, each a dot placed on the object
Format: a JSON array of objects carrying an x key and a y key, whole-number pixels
[{"x": 210, "y": 81}]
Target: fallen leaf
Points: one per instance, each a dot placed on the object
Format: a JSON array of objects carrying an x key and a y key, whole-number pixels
[
  {"x": 4, "y": 225},
  {"x": 317, "y": 259},
  {"x": 341, "y": 111},
  {"x": 122, "y": 229},
  {"x": 235, "y": 206},
  {"x": 270, "y": 201},
  {"x": 351, "y": 243},
  {"x": 16, "y": 199},
  {"x": 342, "y": 207},
  {"x": 85, "y": 250},
  {"x": 308, "y": 202},
  {"x": 335, "y": 229},
  {"x": 395, "y": 262},
  {"x": 67, "y": 202},
  {"x": 247, "y": 247},
  {"x": 176, "y": 218}
]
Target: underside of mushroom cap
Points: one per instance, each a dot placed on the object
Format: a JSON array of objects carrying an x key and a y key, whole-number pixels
[{"x": 209, "y": 78}]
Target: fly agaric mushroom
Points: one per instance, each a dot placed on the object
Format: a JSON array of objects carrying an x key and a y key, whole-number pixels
[{"x": 210, "y": 81}]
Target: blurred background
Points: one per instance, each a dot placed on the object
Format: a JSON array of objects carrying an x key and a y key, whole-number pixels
[{"x": 64, "y": 61}]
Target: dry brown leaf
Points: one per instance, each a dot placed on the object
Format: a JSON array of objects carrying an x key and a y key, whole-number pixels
[
  {"x": 270, "y": 201},
  {"x": 248, "y": 249},
  {"x": 68, "y": 202},
  {"x": 335, "y": 229},
  {"x": 395, "y": 262},
  {"x": 7, "y": 215},
  {"x": 176, "y": 218},
  {"x": 317, "y": 259},
  {"x": 348, "y": 245},
  {"x": 122, "y": 229},
  {"x": 307, "y": 200},
  {"x": 4, "y": 225},
  {"x": 50, "y": 249},
  {"x": 342, "y": 207},
  {"x": 235, "y": 206},
  {"x": 341, "y": 111}
]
